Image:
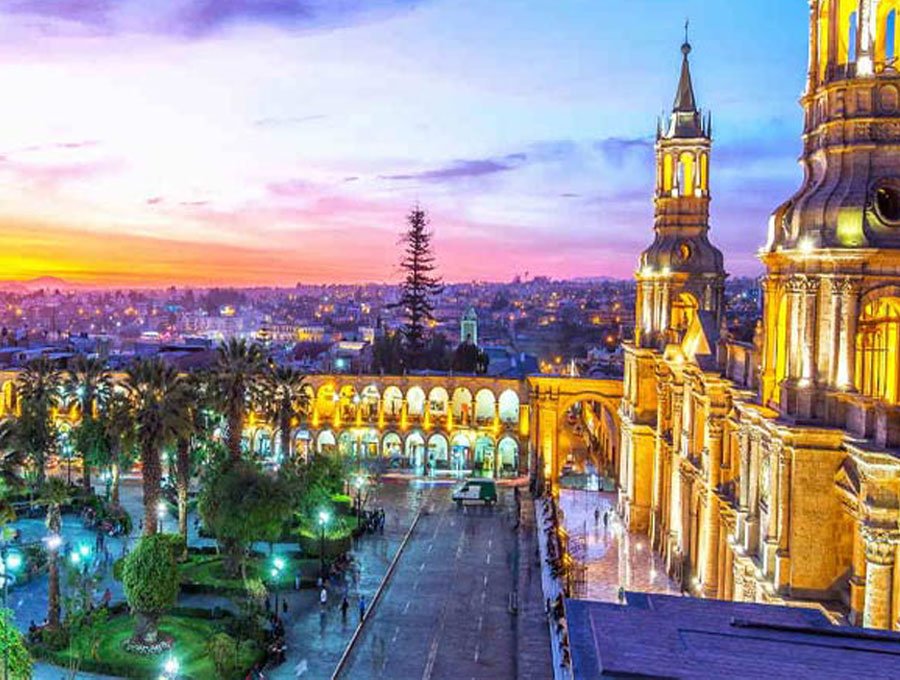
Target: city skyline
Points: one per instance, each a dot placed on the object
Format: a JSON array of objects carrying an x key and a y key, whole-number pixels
[{"x": 200, "y": 144}]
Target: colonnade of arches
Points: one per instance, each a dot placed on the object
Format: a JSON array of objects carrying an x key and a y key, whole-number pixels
[
  {"x": 464, "y": 452},
  {"x": 341, "y": 406}
]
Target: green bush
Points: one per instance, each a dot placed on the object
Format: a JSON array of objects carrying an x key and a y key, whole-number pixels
[
  {"x": 13, "y": 643},
  {"x": 150, "y": 579}
]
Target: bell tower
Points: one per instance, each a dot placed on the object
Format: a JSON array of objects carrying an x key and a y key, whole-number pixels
[
  {"x": 681, "y": 274},
  {"x": 832, "y": 291}
]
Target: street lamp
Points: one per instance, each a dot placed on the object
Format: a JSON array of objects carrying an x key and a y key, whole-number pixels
[
  {"x": 170, "y": 669},
  {"x": 323, "y": 521},
  {"x": 358, "y": 482},
  {"x": 277, "y": 568}
]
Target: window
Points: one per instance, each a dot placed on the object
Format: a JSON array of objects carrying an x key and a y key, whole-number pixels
[
  {"x": 890, "y": 37},
  {"x": 853, "y": 38},
  {"x": 877, "y": 347}
]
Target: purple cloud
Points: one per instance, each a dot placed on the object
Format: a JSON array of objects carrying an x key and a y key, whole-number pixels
[
  {"x": 455, "y": 171},
  {"x": 95, "y": 13},
  {"x": 199, "y": 18}
]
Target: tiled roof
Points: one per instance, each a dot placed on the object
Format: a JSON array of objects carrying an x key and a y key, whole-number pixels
[{"x": 665, "y": 636}]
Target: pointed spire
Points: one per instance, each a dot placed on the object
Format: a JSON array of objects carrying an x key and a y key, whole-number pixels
[{"x": 684, "y": 98}]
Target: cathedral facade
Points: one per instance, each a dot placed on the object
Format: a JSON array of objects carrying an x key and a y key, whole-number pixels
[{"x": 768, "y": 470}]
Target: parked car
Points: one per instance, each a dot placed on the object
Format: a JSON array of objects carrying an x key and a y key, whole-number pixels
[{"x": 476, "y": 491}]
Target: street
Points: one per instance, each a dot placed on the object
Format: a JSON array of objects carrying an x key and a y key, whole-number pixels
[{"x": 444, "y": 613}]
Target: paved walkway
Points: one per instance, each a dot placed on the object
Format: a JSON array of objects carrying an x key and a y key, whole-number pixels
[
  {"x": 533, "y": 643},
  {"x": 444, "y": 613},
  {"x": 613, "y": 557}
]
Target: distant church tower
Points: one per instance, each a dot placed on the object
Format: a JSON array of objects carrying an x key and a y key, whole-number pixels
[
  {"x": 468, "y": 327},
  {"x": 832, "y": 292},
  {"x": 681, "y": 273}
]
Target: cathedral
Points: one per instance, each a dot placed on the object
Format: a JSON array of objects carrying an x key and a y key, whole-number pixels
[{"x": 768, "y": 469}]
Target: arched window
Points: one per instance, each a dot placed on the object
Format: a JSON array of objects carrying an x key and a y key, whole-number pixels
[
  {"x": 667, "y": 174},
  {"x": 684, "y": 309},
  {"x": 846, "y": 31},
  {"x": 890, "y": 37},
  {"x": 877, "y": 348},
  {"x": 686, "y": 174},
  {"x": 704, "y": 172},
  {"x": 852, "y": 37},
  {"x": 886, "y": 33}
]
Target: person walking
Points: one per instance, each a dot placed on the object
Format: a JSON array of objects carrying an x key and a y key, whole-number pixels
[
  {"x": 362, "y": 608},
  {"x": 606, "y": 520},
  {"x": 345, "y": 605},
  {"x": 597, "y": 515},
  {"x": 323, "y": 597}
]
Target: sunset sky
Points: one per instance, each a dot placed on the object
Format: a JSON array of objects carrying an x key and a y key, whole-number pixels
[{"x": 276, "y": 141}]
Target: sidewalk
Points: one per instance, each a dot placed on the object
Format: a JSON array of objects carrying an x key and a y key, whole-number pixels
[
  {"x": 613, "y": 557},
  {"x": 552, "y": 588},
  {"x": 532, "y": 634}
]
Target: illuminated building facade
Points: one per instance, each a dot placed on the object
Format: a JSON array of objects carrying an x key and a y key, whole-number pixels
[{"x": 768, "y": 471}]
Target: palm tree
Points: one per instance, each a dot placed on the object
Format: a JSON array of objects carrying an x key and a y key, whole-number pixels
[
  {"x": 54, "y": 494},
  {"x": 117, "y": 419},
  {"x": 159, "y": 399},
  {"x": 238, "y": 365},
  {"x": 39, "y": 386},
  {"x": 284, "y": 395},
  {"x": 189, "y": 441},
  {"x": 89, "y": 384}
]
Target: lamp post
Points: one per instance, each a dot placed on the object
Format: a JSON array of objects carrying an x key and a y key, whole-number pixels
[
  {"x": 277, "y": 569},
  {"x": 358, "y": 483},
  {"x": 323, "y": 521}
]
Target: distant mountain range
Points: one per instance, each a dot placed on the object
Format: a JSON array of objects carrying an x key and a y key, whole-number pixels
[{"x": 40, "y": 283}]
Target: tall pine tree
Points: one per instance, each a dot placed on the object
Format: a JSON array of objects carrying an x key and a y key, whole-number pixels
[{"x": 420, "y": 285}]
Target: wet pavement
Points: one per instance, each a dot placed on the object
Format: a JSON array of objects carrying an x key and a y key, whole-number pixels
[
  {"x": 611, "y": 556},
  {"x": 445, "y": 611}
]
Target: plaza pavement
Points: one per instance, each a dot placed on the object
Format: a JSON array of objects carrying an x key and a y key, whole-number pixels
[
  {"x": 444, "y": 612},
  {"x": 613, "y": 557}
]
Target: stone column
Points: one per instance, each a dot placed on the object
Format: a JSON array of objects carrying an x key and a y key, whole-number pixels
[
  {"x": 751, "y": 533},
  {"x": 848, "y": 292},
  {"x": 813, "y": 76},
  {"x": 783, "y": 503},
  {"x": 743, "y": 485},
  {"x": 714, "y": 431},
  {"x": 865, "y": 65},
  {"x": 879, "y": 580},
  {"x": 795, "y": 328},
  {"x": 665, "y": 303},
  {"x": 858, "y": 577},
  {"x": 710, "y": 549},
  {"x": 770, "y": 303},
  {"x": 808, "y": 343}
]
